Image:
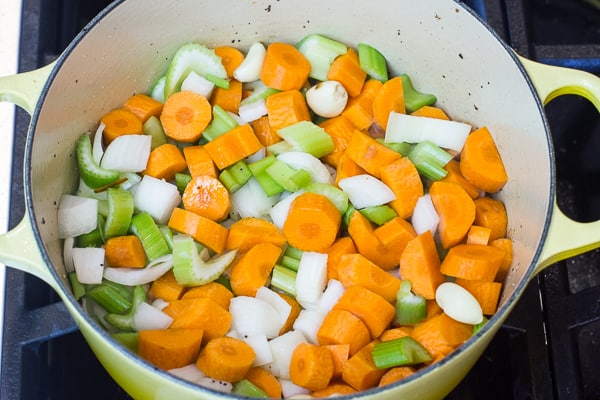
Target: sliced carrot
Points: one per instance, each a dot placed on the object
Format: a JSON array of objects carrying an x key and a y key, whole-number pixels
[
  {"x": 265, "y": 132},
  {"x": 202, "y": 313},
  {"x": 481, "y": 163},
  {"x": 228, "y": 98},
  {"x": 403, "y": 178},
  {"x": 311, "y": 366},
  {"x": 233, "y": 146},
  {"x": 205, "y": 231},
  {"x": 294, "y": 312},
  {"x": 455, "y": 176},
  {"x": 441, "y": 334},
  {"x": 199, "y": 161},
  {"x": 360, "y": 370},
  {"x": 373, "y": 309},
  {"x": 394, "y": 235},
  {"x": 212, "y": 290},
  {"x": 431, "y": 112},
  {"x": 420, "y": 264},
  {"x": 395, "y": 333},
  {"x": 185, "y": 115},
  {"x": 286, "y": 108},
  {"x": 346, "y": 70},
  {"x": 143, "y": 106},
  {"x": 341, "y": 246},
  {"x": 369, "y": 154},
  {"x": 333, "y": 390},
  {"x": 226, "y": 358},
  {"x": 455, "y": 209},
  {"x": 506, "y": 245},
  {"x": 312, "y": 223},
  {"x": 247, "y": 232},
  {"x": 170, "y": 348},
  {"x": 355, "y": 269},
  {"x": 166, "y": 287},
  {"x": 253, "y": 269},
  {"x": 339, "y": 355},
  {"x": 208, "y": 197},
  {"x": 284, "y": 67},
  {"x": 165, "y": 161},
  {"x": 359, "y": 109},
  {"x": 231, "y": 58},
  {"x": 340, "y": 130},
  {"x": 125, "y": 251},
  {"x": 120, "y": 122},
  {"x": 433, "y": 308},
  {"x": 265, "y": 381},
  {"x": 343, "y": 327},
  {"x": 491, "y": 213},
  {"x": 389, "y": 98},
  {"x": 478, "y": 235},
  {"x": 472, "y": 261},
  {"x": 346, "y": 168},
  {"x": 487, "y": 293},
  {"x": 396, "y": 374}
]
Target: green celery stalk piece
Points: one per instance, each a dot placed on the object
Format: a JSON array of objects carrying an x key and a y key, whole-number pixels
[
  {"x": 413, "y": 99},
  {"x": 89, "y": 170},
  {"x": 124, "y": 322},
  {"x": 430, "y": 159},
  {"x": 320, "y": 51},
  {"x": 289, "y": 178},
  {"x": 379, "y": 215},
  {"x": 153, "y": 242},
  {"x": 120, "y": 211},
  {"x": 307, "y": 137},
  {"x": 410, "y": 308},
  {"x": 222, "y": 122},
  {"x": 245, "y": 388},
  {"x": 154, "y": 128},
  {"x": 372, "y": 62},
  {"x": 399, "y": 352},
  {"x": 338, "y": 197}
]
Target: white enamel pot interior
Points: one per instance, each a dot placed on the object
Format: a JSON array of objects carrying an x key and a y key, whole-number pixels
[{"x": 443, "y": 46}]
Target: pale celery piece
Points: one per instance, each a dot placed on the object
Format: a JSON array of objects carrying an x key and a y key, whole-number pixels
[
  {"x": 222, "y": 122},
  {"x": 120, "y": 211},
  {"x": 308, "y": 137},
  {"x": 372, "y": 62},
  {"x": 89, "y": 170},
  {"x": 153, "y": 242},
  {"x": 320, "y": 51},
  {"x": 399, "y": 352},
  {"x": 430, "y": 159}
]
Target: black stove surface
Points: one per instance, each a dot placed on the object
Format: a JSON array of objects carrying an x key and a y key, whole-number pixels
[{"x": 548, "y": 347}]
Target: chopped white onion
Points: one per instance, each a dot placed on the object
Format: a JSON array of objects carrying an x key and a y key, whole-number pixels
[
  {"x": 334, "y": 290},
  {"x": 276, "y": 301},
  {"x": 159, "y": 304},
  {"x": 282, "y": 348},
  {"x": 415, "y": 129},
  {"x": 290, "y": 390},
  {"x": 249, "y": 69},
  {"x": 147, "y": 317},
  {"x": 76, "y": 215},
  {"x": 197, "y": 84},
  {"x": 306, "y": 161},
  {"x": 127, "y": 153},
  {"x": 236, "y": 117},
  {"x": 253, "y": 110},
  {"x": 215, "y": 384},
  {"x": 365, "y": 190},
  {"x": 192, "y": 373},
  {"x": 251, "y": 201},
  {"x": 157, "y": 197},
  {"x": 311, "y": 278},
  {"x": 89, "y": 264},
  {"x": 327, "y": 98},
  {"x": 262, "y": 351},
  {"x": 259, "y": 155},
  {"x": 424, "y": 216},
  {"x": 308, "y": 322},
  {"x": 68, "y": 254},
  {"x": 140, "y": 276},
  {"x": 279, "y": 211},
  {"x": 458, "y": 303},
  {"x": 251, "y": 316},
  {"x": 97, "y": 146}
]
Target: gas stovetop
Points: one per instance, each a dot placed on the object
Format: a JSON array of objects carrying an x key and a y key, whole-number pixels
[{"x": 547, "y": 349}]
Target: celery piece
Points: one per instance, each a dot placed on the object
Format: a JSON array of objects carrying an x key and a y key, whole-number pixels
[
  {"x": 157, "y": 91},
  {"x": 410, "y": 308},
  {"x": 413, "y": 99},
  {"x": 477, "y": 327},
  {"x": 399, "y": 352},
  {"x": 77, "y": 287},
  {"x": 181, "y": 180},
  {"x": 338, "y": 197},
  {"x": 235, "y": 176},
  {"x": 94, "y": 238},
  {"x": 402, "y": 147},
  {"x": 346, "y": 216},
  {"x": 128, "y": 339},
  {"x": 290, "y": 262},
  {"x": 261, "y": 165},
  {"x": 189, "y": 268},
  {"x": 280, "y": 147},
  {"x": 268, "y": 184},
  {"x": 307, "y": 137},
  {"x": 167, "y": 234},
  {"x": 245, "y": 388},
  {"x": 430, "y": 159},
  {"x": 124, "y": 321},
  {"x": 223, "y": 83},
  {"x": 144, "y": 227},
  {"x": 320, "y": 51},
  {"x": 222, "y": 122},
  {"x": 222, "y": 280},
  {"x": 293, "y": 252},
  {"x": 154, "y": 128},
  {"x": 379, "y": 215},
  {"x": 284, "y": 279},
  {"x": 260, "y": 92},
  {"x": 289, "y": 178},
  {"x": 120, "y": 211},
  {"x": 91, "y": 173},
  {"x": 109, "y": 298},
  {"x": 372, "y": 62}
]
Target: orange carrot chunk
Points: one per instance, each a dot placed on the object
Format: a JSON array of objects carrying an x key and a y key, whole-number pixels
[
  {"x": 265, "y": 381},
  {"x": 205, "y": 231},
  {"x": 343, "y": 327},
  {"x": 341, "y": 246},
  {"x": 375, "y": 311},
  {"x": 340, "y": 130},
  {"x": 311, "y": 366},
  {"x": 202, "y": 313},
  {"x": 506, "y": 245},
  {"x": 480, "y": 162},
  {"x": 420, "y": 264},
  {"x": 125, "y": 251},
  {"x": 166, "y": 287},
  {"x": 286, "y": 108},
  {"x": 346, "y": 70},
  {"x": 170, "y": 348},
  {"x": 226, "y": 358},
  {"x": 208, "y": 197},
  {"x": 253, "y": 269},
  {"x": 233, "y": 146},
  {"x": 265, "y": 132},
  {"x": 456, "y": 210},
  {"x": 231, "y": 58},
  {"x": 395, "y": 374},
  {"x": 165, "y": 161},
  {"x": 355, "y": 269},
  {"x": 212, "y": 290},
  {"x": 247, "y": 232},
  {"x": 284, "y": 67},
  {"x": 440, "y": 334},
  {"x": 389, "y": 98},
  {"x": 185, "y": 115},
  {"x": 369, "y": 154},
  {"x": 430, "y": 112},
  {"x": 333, "y": 390},
  {"x": 199, "y": 161},
  {"x": 491, "y": 213},
  {"x": 143, "y": 106},
  {"x": 360, "y": 370},
  {"x": 478, "y": 235},
  {"x": 487, "y": 293},
  {"x": 228, "y": 99},
  {"x": 120, "y": 122},
  {"x": 472, "y": 261},
  {"x": 403, "y": 178},
  {"x": 455, "y": 176},
  {"x": 359, "y": 109}
]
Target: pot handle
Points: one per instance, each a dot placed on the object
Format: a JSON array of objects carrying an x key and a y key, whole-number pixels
[
  {"x": 566, "y": 237},
  {"x": 18, "y": 247}
]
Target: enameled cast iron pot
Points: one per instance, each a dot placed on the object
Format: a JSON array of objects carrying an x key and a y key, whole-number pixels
[{"x": 442, "y": 45}]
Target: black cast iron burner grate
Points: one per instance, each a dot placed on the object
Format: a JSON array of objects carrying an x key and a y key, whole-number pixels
[{"x": 547, "y": 348}]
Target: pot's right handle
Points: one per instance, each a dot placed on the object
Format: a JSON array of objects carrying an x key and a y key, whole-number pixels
[
  {"x": 566, "y": 238},
  {"x": 18, "y": 247}
]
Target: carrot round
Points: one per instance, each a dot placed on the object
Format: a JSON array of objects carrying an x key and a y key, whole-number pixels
[
  {"x": 491, "y": 213},
  {"x": 389, "y": 98},
  {"x": 294, "y": 312},
  {"x": 143, "y": 106},
  {"x": 312, "y": 223},
  {"x": 284, "y": 67},
  {"x": 339, "y": 355},
  {"x": 343, "y": 327},
  {"x": 342, "y": 245},
  {"x": 420, "y": 264},
  {"x": 456, "y": 210},
  {"x": 208, "y": 197},
  {"x": 120, "y": 122},
  {"x": 226, "y": 358},
  {"x": 265, "y": 381},
  {"x": 170, "y": 348},
  {"x": 346, "y": 70},
  {"x": 185, "y": 115},
  {"x": 205, "y": 231},
  {"x": 253, "y": 269},
  {"x": 231, "y": 58},
  {"x": 355, "y": 269},
  {"x": 165, "y": 161},
  {"x": 396, "y": 374},
  {"x": 472, "y": 261},
  {"x": 480, "y": 162},
  {"x": 247, "y": 232},
  {"x": 125, "y": 251},
  {"x": 212, "y": 290},
  {"x": 311, "y": 366}
]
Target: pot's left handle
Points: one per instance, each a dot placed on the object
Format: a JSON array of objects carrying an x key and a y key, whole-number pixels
[
  {"x": 566, "y": 237},
  {"x": 18, "y": 247}
]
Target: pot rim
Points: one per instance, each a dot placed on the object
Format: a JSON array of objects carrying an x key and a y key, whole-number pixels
[{"x": 488, "y": 330}]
